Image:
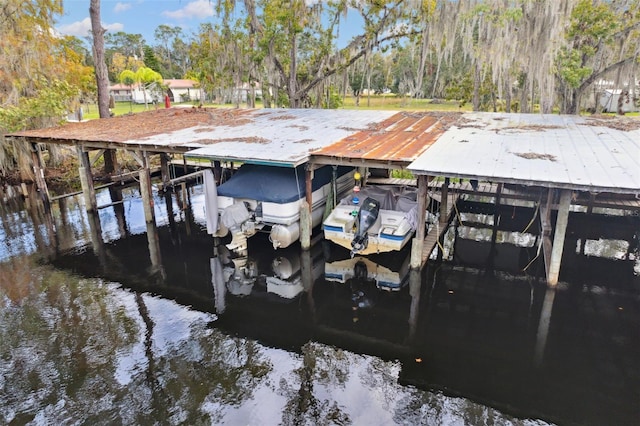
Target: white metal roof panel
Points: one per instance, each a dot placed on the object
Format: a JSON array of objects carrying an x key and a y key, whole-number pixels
[
  {"x": 557, "y": 151},
  {"x": 269, "y": 136}
]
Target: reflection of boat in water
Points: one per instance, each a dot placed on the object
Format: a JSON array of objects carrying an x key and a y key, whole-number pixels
[
  {"x": 375, "y": 219},
  {"x": 266, "y": 273},
  {"x": 390, "y": 275},
  {"x": 258, "y": 197}
]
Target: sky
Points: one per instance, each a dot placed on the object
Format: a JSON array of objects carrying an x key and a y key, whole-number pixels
[
  {"x": 144, "y": 16},
  {"x": 136, "y": 16}
]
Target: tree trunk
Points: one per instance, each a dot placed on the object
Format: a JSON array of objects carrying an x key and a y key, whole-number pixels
[
  {"x": 293, "y": 99},
  {"x": 507, "y": 96},
  {"x": 476, "y": 88},
  {"x": 424, "y": 51},
  {"x": 624, "y": 94},
  {"x": 572, "y": 105},
  {"x": 102, "y": 78},
  {"x": 524, "y": 95}
]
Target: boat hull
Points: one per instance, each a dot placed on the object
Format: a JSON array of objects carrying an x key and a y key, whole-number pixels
[
  {"x": 391, "y": 231},
  {"x": 244, "y": 216}
]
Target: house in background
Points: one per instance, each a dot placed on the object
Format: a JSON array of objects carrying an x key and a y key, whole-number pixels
[
  {"x": 610, "y": 98},
  {"x": 178, "y": 90},
  {"x": 183, "y": 90}
]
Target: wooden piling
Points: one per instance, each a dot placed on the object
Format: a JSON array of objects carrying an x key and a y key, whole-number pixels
[
  {"x": 164, "y": 170},
  {"x": 306, "y": 220},
  {"x": 418, "y": 242},
  {"x": 558, "y": 237},
  {"x": 444, "y": 192},
  {"x": 86, "y": 180},
  {"x": 145, "y": 191},
  {"x": 38, "y": 171}
]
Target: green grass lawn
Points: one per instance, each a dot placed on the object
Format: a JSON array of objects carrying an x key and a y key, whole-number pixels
[
  {"x": 376, "y": 102},
  {"x": 90, "y": 111},
  {"x": 395, "y": 102}
]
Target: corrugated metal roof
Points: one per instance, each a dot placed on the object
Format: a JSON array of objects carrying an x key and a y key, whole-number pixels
[
  {"x": 268, "y": 136},
  {"x": 399, "y": 139},
  {"x": 140, "y": 126},
  {"x": 279, "y": 137},
  {"x": 600, "y": 154}
]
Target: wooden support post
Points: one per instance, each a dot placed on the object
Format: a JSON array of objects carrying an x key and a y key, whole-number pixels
[
  {"x": 418, "y": 242},
  {"x": 164, "y": 170},
  {"x": 498, "y": 196},
  {"x": 38, "y": 172},
  {"x": 217, "y": 172},
  {"x": 547, "y": 219},
  {"x": 305, "y": 212},
  {"x": 496, "y": 223},
  {"x": 86, "y": 180},
  {"x": 145, "y": 191},
  {"x": 592, "y": 199},
  {"x": 558, "y": 237},
  {"x": 444, "y": 193},
  {"x": 110, "y": 161},
  {"x": 153, "y": 240}
]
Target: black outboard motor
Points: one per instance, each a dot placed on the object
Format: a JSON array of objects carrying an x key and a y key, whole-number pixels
[{"x": 367, "y": 216}]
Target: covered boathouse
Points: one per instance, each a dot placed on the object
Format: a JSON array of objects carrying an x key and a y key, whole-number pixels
[{"x": 572, "y": 159}]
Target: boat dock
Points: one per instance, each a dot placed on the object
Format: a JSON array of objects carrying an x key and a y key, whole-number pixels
[{"x": 551, "y": 160}]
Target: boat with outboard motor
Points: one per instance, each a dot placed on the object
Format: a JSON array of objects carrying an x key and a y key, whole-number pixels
[
  {"x": 374, "y": 219},
  {"x": 268, "y": 198}
]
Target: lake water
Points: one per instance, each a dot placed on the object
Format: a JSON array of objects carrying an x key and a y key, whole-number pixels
[{"x": 105, "y": 320}]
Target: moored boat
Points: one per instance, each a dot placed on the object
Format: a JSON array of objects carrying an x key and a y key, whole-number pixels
[
  {"x": 268, "y": 198},
  {"x": 374, "y": 219}
]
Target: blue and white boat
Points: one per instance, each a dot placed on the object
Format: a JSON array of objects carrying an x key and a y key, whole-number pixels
[
  {"x": 268, "y": 198},
  {"x": 376, "y": 219}
]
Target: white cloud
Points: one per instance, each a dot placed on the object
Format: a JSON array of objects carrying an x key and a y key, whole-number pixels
[
  {"x": 83, "y": 28},
  {"x": 78, "y": 28},
  {"x": 115, "y": 27},
  {"x": 121, "y": 7},
  {"x": 198, "y": 9}
]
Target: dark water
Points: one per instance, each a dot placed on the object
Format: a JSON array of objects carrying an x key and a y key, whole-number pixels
[{"x": 105, "y": 320}]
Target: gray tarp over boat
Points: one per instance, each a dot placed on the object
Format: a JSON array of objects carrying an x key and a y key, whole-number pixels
[{"x": 275, "y": 184}]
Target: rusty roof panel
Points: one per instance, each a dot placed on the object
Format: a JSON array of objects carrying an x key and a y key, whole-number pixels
[
  {"x": 146, "y": 124},
  {"x": 400, "y": 138}
]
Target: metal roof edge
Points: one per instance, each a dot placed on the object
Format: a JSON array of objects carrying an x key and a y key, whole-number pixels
[
  {"x": 544, "y": 184},
  {"x": 291, "y": 164}
]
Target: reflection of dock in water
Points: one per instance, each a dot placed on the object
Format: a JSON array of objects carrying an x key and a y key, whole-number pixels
[{"x": 471, "y": 325}]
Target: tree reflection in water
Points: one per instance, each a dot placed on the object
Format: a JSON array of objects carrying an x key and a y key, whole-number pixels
[{"x": 78, "y": 350}]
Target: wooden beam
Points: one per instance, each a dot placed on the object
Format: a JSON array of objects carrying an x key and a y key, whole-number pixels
[
  {"x": 418, "y": 241},
  {"x": 97, "y": 157},
  {"x": 444, "y": 192},
  {"x": 361, "y": 162},
  {"x": 558, "y": 237},
  {"x": 164, "y": 169},
  {"x": 306, "y": 221},
  {"x": 38, "y": 172},
  {"x": 86, "y": 179},
  {"x": 145, "y": 191}
]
